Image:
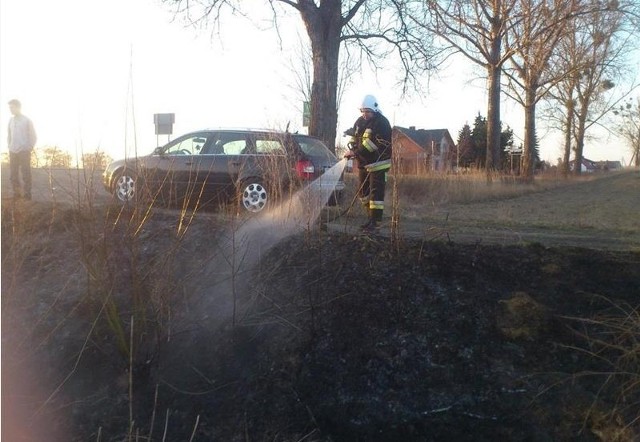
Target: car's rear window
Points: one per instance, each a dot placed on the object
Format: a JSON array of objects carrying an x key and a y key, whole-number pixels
[{"x": 313, "y": 147}]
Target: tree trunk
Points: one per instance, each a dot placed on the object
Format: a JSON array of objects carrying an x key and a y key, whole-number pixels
[
  {"x": 324, "y": 27},
  {"x": 324, "y": 112},
  {"x": 568, "y": 129},
  {"x": 494, "y": 71},
  {"x": 493, "y": 119},
  {"x": 528, "y": 158},
  {"x": 636, "y": 148},
  {"x": 582, "y": 123}
]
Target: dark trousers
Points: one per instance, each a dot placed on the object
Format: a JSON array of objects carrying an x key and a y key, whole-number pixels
[
  {"x": 20, "y": 162},
  {"x": 372, "y": 187}
]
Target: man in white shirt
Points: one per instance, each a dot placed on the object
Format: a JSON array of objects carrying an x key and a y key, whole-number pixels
[{"x": 21, "y": 140}]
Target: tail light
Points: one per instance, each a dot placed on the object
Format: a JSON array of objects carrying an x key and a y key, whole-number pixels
[{"x": 305, "y": 169}]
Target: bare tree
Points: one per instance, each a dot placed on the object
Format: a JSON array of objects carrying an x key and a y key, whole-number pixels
[
  {"x": 629, "y": 127},
  {"x": 595, "y": 78},
  {"x": 376, "y": 27},
  {"x": 300, "y": 74},
  {"x": 591, "y": 55},
  {"x": 561, "y": 103},
  {"x": 478, "y": 29},
  {"x": 535, "y": 39}
]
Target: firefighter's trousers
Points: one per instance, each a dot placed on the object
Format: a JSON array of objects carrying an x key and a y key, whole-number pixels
[{"x": 372, "y": 187}]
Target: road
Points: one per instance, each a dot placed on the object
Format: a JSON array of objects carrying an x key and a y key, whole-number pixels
[{"x": 60, "y": 185}]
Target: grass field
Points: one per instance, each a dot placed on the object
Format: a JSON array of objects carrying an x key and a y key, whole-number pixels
[{"x": 594, "y": 211}]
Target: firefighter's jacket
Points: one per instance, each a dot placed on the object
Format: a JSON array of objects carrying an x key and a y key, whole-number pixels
[{"x": 372, "y": 142}]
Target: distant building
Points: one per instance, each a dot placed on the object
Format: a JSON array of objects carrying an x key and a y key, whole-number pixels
[
  {"x": 609, "y": 165},
  {"x": 586, "y": 166},
  {"x": 589, "y": 166},
  {"x": 420, "y": 150}
]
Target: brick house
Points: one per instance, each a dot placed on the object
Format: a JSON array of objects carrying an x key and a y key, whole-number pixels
[{"x": 419, "y": 151}]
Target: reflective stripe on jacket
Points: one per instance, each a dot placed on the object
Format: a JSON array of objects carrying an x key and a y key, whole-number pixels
[
  {"x": 376, "y": 205},
  {"x": 378, "y": 166},
  {"x": 367, "y": 142}
]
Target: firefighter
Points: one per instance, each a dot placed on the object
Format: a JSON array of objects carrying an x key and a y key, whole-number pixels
[{"x": 370, "y": 145}]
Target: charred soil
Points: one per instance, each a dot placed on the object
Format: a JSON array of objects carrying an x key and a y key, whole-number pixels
[{"x": 340, "y": 336}]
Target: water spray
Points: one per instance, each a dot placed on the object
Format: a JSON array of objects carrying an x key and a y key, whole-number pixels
[{"x": 254, "y": 238}]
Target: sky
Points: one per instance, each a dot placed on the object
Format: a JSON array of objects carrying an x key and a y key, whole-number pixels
[{"x": 92, "y": 73}]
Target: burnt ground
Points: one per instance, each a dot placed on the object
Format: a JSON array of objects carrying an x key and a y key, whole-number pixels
[{"x": 338, "y": 336}]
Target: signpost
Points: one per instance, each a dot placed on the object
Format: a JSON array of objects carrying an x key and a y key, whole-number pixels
[{"x": 164, "y": 125}]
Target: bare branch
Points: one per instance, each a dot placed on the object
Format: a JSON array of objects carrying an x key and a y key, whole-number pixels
[
  {"x": 288, "y": 2},
  {"x": 378, "y": 29},
  {"x": 352, "y": 12}
]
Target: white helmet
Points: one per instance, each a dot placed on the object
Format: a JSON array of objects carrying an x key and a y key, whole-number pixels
[{"x": 370, "y": 102}]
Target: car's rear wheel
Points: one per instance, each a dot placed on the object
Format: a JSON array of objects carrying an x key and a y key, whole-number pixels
[
  {"x": 254, "y": 196},
  {"x": 125, "y": 187}
]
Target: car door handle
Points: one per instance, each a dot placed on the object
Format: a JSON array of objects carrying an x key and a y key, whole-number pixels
[{"x": 188, "y": 163}]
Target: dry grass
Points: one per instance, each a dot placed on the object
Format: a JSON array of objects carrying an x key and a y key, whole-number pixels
[
  {"x": 612, "y": 337},
  {"x": 547, "y": 202},
  {"x": 598, "y": 211},
  {"x": 440, "y": 189},
  {"x": 605, "y": 205},
  {"x": 417, "y": 195}
]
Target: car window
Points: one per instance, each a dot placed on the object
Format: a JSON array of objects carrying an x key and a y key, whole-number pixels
[
  {"x": 269, "y": 146},
  {"x": 234, "y": 147},
  {"x": 313, "y": 147},
  {"x": 228, "y": 143},
  {"x": 191, "y": 145}
]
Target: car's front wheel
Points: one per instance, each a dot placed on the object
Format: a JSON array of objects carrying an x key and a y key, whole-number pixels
[
  {"x": 253, "y": 196},
  {"x": 125, "y": 187}
]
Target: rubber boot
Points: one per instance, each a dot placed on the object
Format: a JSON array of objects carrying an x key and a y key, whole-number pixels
[
  {"x": 369, "y": 220},
  {"x": 375, "y": 217}
]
